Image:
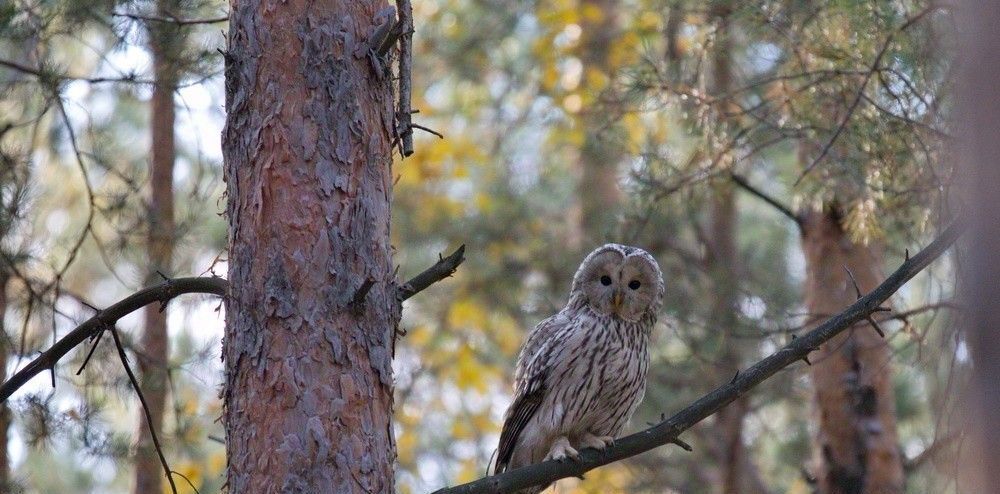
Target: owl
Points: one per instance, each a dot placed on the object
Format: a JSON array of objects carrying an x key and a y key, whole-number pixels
[{"x": 582, "y": 372}]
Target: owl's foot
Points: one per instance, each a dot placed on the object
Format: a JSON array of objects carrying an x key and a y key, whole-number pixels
[
  {"x": 561, "y": 449},
  {"x": 597, "y": 442}
]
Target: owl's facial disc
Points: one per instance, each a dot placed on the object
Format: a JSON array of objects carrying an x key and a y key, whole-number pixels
[{"x": 617, "y": 284}]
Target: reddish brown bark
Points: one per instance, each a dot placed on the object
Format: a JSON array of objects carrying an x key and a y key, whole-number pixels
[
  {"x": 160, "y": 245},
  {"x": 308, "y": 396},
  {"x": 857, "y": 448}
]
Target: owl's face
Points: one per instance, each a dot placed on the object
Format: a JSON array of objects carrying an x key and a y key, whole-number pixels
[{"x": 621, "y": 281}]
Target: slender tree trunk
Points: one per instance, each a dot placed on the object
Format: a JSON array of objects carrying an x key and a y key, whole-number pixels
[
  {"x": 979, "y": 125},
  {"x": 598, "y": 191},
  {"x": 736, "y": 469},
  {"x": 723, "y": 264},
  {"x": 857, "y": 446},
  {"x": 308, "y": 396},
  {"x": 153, "y": 361}
]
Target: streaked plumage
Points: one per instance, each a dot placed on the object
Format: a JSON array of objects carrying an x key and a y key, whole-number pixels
[{"x": 582, "y": 372}]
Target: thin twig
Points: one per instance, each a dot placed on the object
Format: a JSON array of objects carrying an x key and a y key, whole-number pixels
[
  {"x": 42, "y": 74},
  {"x": 145, "y": 407},
  {"x": 871, "y": 320},
  {"x": 783, "y": 209},
  {"x": 428, "y": 130}
]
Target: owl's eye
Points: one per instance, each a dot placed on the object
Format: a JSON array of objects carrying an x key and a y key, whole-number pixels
[
  {"x": 634, "y": 284},
  {"x": 605, "y": 280}
]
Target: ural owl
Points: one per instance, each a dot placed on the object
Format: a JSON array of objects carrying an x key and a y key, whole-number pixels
[{"x": 582, "y": 372}]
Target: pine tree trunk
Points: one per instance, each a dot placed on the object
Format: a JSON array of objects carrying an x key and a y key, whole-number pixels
[
  {"x": 308, "y": 395},
  {"x": 598, "y": 191},
  {"x": 857, "y": 448},
  {"x": 723, "y": 263},
  {"x": 736, "y": 469},
  {"x": 160, "y": 245}
]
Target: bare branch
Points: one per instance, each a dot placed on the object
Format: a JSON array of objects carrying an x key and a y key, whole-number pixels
[
  {"x": 163, "y": 292},
  {"x": 172, "y": 19},
  {"x": 108, "y": 317},
  {"x": 913, "y": 464},
  {"x": 444, "y": 268},
  {"x": 145, "y": 406},
  {"x": 783, "y": 209},
  {"x": 668, "y": 430},
  {"x": 43, "y": 75}
]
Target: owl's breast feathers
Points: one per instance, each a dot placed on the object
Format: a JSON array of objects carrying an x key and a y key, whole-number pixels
[{"x": 577, "y": 370}]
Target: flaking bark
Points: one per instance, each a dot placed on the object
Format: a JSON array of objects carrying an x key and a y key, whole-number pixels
[
  {"x": 308, "y": 395},
  {"x": 857, "y": 445}
]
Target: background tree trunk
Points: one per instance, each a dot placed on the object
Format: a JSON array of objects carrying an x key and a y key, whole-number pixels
[
  {"x": 308, "y": 396},
  {"x": 857, "y": 446},
  {"x": 153, "y": 361},
  {"x": 979, "y": 125},
  {"x": 598, "y": 191},
  {"x": 736, "y": 470}
]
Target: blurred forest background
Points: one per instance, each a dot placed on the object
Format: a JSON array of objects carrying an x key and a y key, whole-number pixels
[{"x": 755, "y": 148}]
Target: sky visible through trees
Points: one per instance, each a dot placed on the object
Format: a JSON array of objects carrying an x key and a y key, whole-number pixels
[{"x": 773, "y": 156}]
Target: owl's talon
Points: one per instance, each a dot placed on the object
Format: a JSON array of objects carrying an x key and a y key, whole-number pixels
[
  {"x": 561, "y": 449},
  {"x": 597, "y": 442}
]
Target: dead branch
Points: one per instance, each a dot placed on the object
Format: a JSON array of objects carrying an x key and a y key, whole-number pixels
[
  {"x": 43, "y": 75},
  {"x": 444, "y": 268},
  {"x": 404, "y": 115},
  {"x": 776, "y": 204},
  {"x": 164, "y": 292},
  {"x": 107, "y": 318},
  {"x": 667, "y": 431},
  {"x": 172, "y": 19},
  {"x": 145, "y": 406}
]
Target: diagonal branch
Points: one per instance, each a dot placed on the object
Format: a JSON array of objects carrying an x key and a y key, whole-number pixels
[
  {"x": 776, "y": 204},
  {"x": 107, "y": 318},
  {"x": 667, "y": 431},
  {"x": 442, "y": 269},
  {"x": 172, "y": 19},
  {"x": 164, "y": 292}
]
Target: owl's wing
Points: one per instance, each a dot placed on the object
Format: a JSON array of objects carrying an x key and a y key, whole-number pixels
[
  {"x": 530, "y": 382},
  {"x": 541, "y": 336}
]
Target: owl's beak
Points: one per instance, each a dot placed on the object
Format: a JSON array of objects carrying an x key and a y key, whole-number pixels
[{"x": 616, "y": 301}]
